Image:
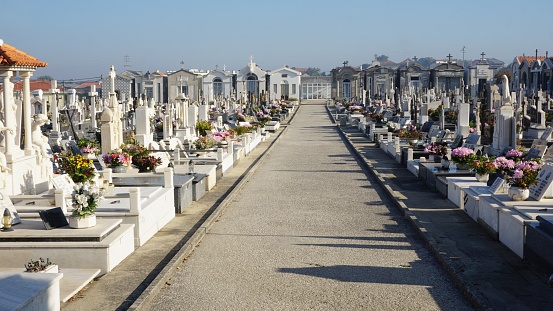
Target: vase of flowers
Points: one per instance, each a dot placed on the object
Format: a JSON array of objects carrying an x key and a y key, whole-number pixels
[
  {"x": 79, "y": 169},
  {"x": 84, "y": 200},
  {"x": 146, "y": 163},
  {"x": 525, "y": 174},
  {"x": 116, "y": 160},
  {"x": 88, "y": 147},
  {"x": 205, "y": 142},
  {"x": 463, "y": 156},
  {"x": 482, "y": 167},
  {"x": 436, "y": 149}
]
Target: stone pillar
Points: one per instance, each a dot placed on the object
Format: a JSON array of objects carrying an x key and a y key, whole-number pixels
[
  {"x": 93, "y": 94},
  {"x": 463, "y": 127},
  {"x": 9, "y": 116},
  {"x": 28, "y": 147}
]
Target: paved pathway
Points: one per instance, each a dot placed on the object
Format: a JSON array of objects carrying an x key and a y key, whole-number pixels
[{"x": 311, "y": 231}]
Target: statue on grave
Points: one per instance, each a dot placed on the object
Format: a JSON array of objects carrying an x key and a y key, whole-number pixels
[
  {"x": 506, "y": 92},
  {"x": 40, "y": 142}
]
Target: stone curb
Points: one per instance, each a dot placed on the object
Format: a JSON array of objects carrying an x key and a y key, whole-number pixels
[
  {"x": 473, "y": 298},
  {"x": 147, "y": 296}
]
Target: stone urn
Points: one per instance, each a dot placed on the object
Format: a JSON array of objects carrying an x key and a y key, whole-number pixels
[
  {"x": 482, "y": 178},
  {"x": 445, "y": 163},
  {"x": 518, "y": 193},
  {"x": 119, "y": 169},
  {"x": 82, "y": 222}
]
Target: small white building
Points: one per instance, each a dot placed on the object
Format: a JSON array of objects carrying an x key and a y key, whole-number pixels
[
  {"x": 217, "y": 85},
  {"x": 481, "y": 75},
  {"x": 188, "y": 82},
  {"x": 251, "y": 82},
  {"x": 285, "y": 84}
]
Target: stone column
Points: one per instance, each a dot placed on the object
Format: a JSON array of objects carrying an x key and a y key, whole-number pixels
[
  {"x": 27, "y": 125},
  {"x": 9, "y": 116},
  {"x": 93, "y": 94}
]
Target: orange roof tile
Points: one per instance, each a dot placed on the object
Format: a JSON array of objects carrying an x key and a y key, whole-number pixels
[
  {"x": 529, "y": 59},
  {"x": 44, "y": 85},
  {"x": 10, "y": 56}
]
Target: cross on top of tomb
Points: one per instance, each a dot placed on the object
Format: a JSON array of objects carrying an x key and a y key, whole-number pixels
[
  {"x": 181, "y": 64},
  {"x": 345, "y": 63},
  {"x": 415, "y": 59},
  {"x": 449, "y": 58},
  {"x": 251, "y": 59},
  {"x": 483, "y": 54}
]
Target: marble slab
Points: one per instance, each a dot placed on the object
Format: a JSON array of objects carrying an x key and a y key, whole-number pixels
[
  {"x": 456, "y": 188},
  {"x": 33, "y": 230},
  {"x": 30, "y": 291}
]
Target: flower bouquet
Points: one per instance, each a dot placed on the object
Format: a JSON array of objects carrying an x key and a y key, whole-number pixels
[
  {"x": 76, "y": 166},
  {"x": 115, "y": 159},
  {"x": 482, "y": 165},
  {"x": 85, "y": 199},
  {"x": 205, "y": 142},
  {"x": 436, "y": 148},
  {"x": 88, "y": 146},
  {"x": 146, "y": 163},
  {"x": 525, "y": 174},
  {"x": 463, "y": 157}
]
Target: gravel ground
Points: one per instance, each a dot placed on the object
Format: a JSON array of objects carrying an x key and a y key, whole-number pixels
[{"x": 310, "y": 231}]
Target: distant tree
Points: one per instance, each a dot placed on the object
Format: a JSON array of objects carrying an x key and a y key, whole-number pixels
[
  {"x": 365, "y": 66},
  {"x": 323, "y": 73},
  {"x": 425, "y": 61},
  {"x": 313, "y": 71},
  {"x": 503, "y": 71},
  {"x": 49, "y": 78},
  {"x": 382, "y": 58}
]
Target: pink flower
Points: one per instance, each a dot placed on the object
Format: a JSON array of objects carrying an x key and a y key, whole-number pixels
[
  {"x": 503, "y": 163},
  {"x": 513, "y": 153},
  {"x": 518, "y": 173}
]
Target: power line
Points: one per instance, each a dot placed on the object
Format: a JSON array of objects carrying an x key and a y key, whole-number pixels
[{"x": 126, "y": 59}]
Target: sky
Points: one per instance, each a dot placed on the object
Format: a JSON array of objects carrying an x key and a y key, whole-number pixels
[{"x": 82, "y": 39}]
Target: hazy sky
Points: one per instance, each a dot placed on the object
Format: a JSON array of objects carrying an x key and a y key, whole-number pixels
[{"x": 81, "y": 39}]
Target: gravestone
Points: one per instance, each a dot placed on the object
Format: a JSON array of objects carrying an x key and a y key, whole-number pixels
[
  {"x": 463, "y": 127},
  {"x": 457, "y": 142},
  {"x": 427, "y": 126},
  {"x": 543, "y": 187},
  {"x": 498, "y": 186},
  {"x": 536, "y": 152}
]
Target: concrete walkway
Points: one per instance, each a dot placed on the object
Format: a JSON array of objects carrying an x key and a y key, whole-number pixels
[{"x": 311, "y": 230}]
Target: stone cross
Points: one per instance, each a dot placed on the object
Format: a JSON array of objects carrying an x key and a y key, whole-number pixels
[{"x": 449, "y": 58}]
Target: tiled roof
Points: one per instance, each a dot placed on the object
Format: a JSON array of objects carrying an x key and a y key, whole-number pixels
[
  {"x": 10, "y": 56},
  {"x": 88, "y": 84},
  {"x": 44, "y": 85},
  {"x": 529, "y": 59}
]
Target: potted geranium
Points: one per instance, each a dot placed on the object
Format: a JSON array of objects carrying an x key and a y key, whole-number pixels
[
  {"x": 482, "y": 166},
  {"x": 116, "y": 160},
  {"x": 84, "y": 200},
  {"x": 525, "y": 174},
  {"x": 463, "y": 156},
  {"x": 79, "y": 169}
]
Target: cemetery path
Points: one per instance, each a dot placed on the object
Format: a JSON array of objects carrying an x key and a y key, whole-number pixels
[{"x": 311, "y": 230}]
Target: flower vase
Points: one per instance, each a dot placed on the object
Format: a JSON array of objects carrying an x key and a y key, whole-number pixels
[
  {"x": 482, "y": 178},
  {"x": 445, "y": 164},
  {"x": 518, "y": 193},
  {"x": 119, "y": 169},
  {"x": 87, "y": 221}
]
